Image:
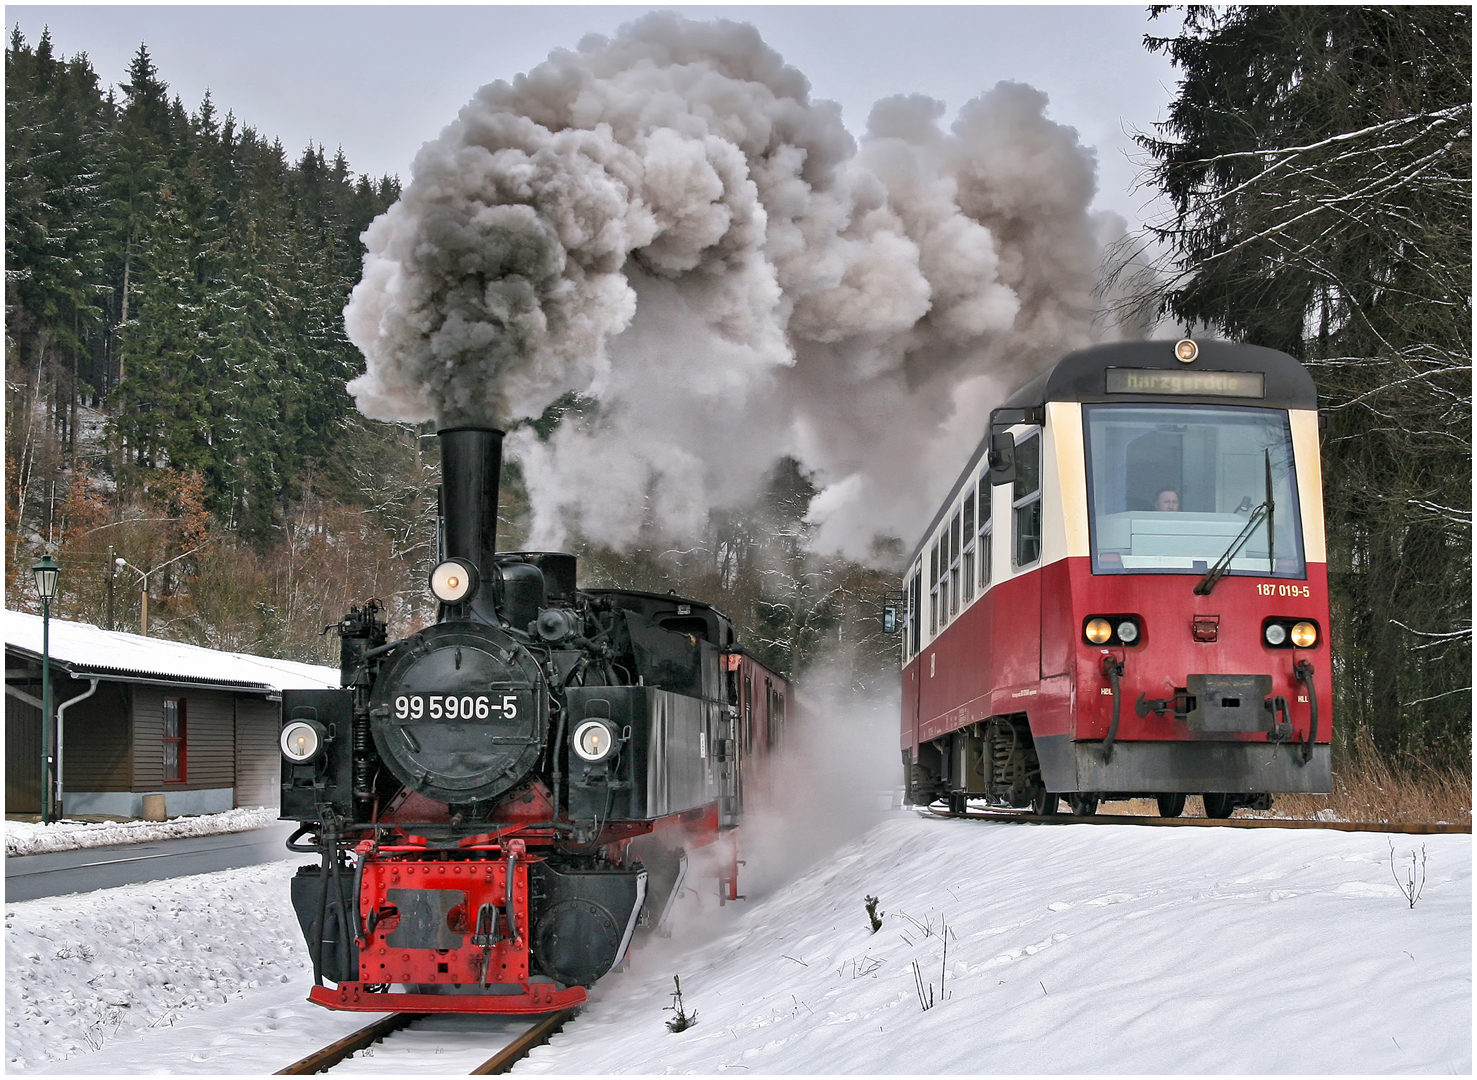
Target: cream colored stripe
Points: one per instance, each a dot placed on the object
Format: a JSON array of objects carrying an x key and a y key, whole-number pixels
[
  {"x": 1304, "y": 424},
  {"x": 1065, "y": 421}
]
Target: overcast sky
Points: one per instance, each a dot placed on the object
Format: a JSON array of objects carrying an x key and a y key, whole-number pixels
[{"x": 380, "y": 80}]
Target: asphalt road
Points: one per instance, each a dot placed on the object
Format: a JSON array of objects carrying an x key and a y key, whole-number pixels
[{"x": 30, "y": 877}]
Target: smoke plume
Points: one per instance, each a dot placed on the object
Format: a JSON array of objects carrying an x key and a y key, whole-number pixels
[{"x": 665, "y": 222}]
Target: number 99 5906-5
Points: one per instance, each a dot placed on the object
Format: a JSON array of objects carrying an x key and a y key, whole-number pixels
[{"x": 456, "y": 706}]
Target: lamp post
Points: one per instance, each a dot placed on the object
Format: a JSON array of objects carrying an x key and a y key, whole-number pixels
[
  {"x": 47, "y": 574},
  {"x": 112, "y": 580}
]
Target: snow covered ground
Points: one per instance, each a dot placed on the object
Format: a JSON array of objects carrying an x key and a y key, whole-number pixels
[
  {"x": 31, "y": 838},
  {"x": 1071, "y": 949}
]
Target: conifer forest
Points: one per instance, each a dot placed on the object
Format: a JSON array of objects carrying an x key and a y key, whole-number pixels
[{"x": 176, "y": 360}]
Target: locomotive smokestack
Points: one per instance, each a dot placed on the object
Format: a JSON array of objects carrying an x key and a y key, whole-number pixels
[{"x": 471, "y": 463}]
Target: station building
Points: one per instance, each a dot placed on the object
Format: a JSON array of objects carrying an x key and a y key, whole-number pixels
[{"x": 143, "y": 716}]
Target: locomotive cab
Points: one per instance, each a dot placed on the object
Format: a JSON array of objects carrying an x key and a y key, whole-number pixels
[{"x": 1126, "y": 593}]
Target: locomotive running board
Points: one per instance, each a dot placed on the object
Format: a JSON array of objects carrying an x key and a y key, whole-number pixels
[{"x": 353, "y": 997}]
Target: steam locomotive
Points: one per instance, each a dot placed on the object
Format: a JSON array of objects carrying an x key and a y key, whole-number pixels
[
  {"x": 1125, "y": 593},
  {"x": 501, "y": 801}
]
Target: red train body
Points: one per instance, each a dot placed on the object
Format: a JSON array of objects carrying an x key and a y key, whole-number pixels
[{"x": 1127, "y": 489}]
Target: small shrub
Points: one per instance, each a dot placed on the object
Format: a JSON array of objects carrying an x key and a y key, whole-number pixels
[
  {"x": 1415, "y": 875},
  {"x": 681, "y": 1020},
  {"x": 873, "y": 914}
]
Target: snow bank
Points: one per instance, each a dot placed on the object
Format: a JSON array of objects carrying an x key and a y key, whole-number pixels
[
  {"x": 84, "y": 970},
  {"x": 1072, "y": 949},
  {"x": 27, "y": 838}
]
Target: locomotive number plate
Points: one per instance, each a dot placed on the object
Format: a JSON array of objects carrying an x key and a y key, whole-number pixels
[{"x": 456, "y": 706}]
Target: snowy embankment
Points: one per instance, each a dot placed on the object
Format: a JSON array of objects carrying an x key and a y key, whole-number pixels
[
  {"x": 1070, "y": 949},
  {"x": 27, "y": 838}
]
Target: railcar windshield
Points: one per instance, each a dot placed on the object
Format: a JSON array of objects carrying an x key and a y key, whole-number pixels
[{"x": 1171, "y": 488}]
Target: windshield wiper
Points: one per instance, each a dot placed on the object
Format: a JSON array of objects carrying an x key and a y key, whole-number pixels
[{"x": 1260, "y": 513}]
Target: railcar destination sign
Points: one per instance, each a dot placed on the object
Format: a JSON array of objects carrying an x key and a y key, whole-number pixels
[{"x": 1243, "y": 384}]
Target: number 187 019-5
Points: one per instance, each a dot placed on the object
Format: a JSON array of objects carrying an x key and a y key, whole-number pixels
[{"x": 1270, "y": 589}]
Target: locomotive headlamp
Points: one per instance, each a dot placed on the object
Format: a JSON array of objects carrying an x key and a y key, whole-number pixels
[
  {"x": 302, "y": 741},
  {"x": 1098, "y": 630},
  {"x": 1128, "y": 631},
  {"x": 1186, "y": 350},
  {"x": 453, "y": 581},
  {"x": 594, "y": 740},
  {"x": 1275, "y": 633},
  {"x": 1304, "y": 635}
]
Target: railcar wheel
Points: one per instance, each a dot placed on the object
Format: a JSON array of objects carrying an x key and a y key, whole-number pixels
[
  {"x": 1083, "y": 804},
  {"x": 1043, "y": 802},
  {"x": 1218, "y": 805},
  {"x": 1171, "y": 804}
]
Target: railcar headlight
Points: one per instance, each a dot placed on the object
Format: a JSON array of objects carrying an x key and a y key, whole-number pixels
[
  {"x": 302, "y": 741},
  {"x": 453, "y": 581},
  {"x": 1112, "y": 629},
  {"x": 1186, "y": 350},
  {"x": 1275, "y": 633},
  {"x": 594, "y": 740},
  {"x": 1304, "y": 635}
]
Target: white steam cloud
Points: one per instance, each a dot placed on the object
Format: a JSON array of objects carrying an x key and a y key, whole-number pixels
[{"x": 667, "y": 223}]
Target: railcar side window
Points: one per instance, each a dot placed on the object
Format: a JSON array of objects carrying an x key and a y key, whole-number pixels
[
  {"x": 966, "y": 566},
  {"x": 984, "y": 542},
  {"x": 1171, "y": 488},
  {"x": 1026, "y": 501},
  {"x": 933, "y": 582},
  {"x": 954, "y": 553}
]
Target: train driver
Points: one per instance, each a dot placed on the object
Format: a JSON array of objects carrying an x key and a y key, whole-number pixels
[{"x": 1168, "y": 499}]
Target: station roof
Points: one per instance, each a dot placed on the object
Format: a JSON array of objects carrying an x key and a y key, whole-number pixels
[{"x": 83, "y": 650}]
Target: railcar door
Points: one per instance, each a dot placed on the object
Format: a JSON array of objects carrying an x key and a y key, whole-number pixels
[{"x": 1017, "y": 606}]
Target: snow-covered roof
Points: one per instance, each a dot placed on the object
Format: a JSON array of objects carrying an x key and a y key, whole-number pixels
[{"x": 84, "y": 649}]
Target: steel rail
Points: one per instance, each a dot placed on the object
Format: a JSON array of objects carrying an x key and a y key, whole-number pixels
[
  {"x": 326, "y": 1058},
  {"x": 501, "y": 1062},
  {"x": 1417, "y": 829},
  {"x": 520, "y": 1047}
]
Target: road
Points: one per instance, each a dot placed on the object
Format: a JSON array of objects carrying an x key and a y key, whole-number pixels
[{"x": 30, "y": 877}]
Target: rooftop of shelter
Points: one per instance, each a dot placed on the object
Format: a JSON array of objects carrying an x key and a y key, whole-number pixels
[{"x": 84, "y": 650}]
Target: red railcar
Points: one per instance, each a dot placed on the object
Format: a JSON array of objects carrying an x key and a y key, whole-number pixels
[{"x": 1126, "y": 592}]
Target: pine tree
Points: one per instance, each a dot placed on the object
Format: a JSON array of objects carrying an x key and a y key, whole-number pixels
[{"x": 1319, "y": 163}]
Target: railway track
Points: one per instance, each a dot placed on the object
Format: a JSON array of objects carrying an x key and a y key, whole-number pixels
[
  {"x": 1017, "y": 817},
  {"x": 410, "y": 1037}
]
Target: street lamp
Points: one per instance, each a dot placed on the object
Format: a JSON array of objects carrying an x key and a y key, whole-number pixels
[
  {"x": 47, "y": 576},
  {"x": 143, "y": 611},
  {"x": 143, "y": 614}
]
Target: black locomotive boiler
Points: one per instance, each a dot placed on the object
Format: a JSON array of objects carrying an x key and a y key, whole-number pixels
[{"x": 500, "y": 800}]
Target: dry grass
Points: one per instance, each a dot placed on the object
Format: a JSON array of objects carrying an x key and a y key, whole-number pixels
[{"x": 1366, "y": 787}]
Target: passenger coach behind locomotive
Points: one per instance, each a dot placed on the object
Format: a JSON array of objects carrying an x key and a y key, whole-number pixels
[
  {"x": 479, "y": 791},
  {"x": 1125, "y": 593}
]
